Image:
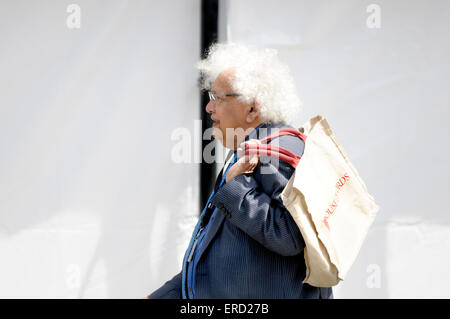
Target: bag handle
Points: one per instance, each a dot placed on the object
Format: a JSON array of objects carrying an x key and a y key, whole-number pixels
[
  {"x": 271, "y": 150},
  {"x": 284, "y": 131}
]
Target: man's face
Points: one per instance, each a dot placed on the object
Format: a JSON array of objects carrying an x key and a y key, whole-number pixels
[{"x": 228, "y": 113}]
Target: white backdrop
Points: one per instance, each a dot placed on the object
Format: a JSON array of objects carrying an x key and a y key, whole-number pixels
[
  {"x": 91, "y": 204},
  {"x": 87, "y": 182},
  {"x": 385, "y": 93}
]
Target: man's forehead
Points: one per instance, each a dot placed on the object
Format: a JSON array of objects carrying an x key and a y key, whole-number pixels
[{"x": 222, "y": 82}]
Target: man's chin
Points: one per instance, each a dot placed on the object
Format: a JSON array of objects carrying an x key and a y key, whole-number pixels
[
  {"x": 218, "y": 138},
  {"x": 217, "y": 133}
]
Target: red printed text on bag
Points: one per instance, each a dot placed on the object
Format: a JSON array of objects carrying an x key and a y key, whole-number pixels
[{"x": 332, "y": 207}]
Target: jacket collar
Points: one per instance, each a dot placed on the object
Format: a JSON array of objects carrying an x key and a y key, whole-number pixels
[{"x": 255, "y": 132}]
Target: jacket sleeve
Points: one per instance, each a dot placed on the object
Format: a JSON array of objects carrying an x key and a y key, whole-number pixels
[
  {"x": 170, "y": 290},
  {"x": 252, "y": 203}
]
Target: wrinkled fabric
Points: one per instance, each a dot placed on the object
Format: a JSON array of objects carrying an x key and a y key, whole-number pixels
[{"x": 253, "y": 249}]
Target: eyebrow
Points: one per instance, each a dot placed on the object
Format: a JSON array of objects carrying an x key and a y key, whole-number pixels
[{"x": 215, "y": 92}]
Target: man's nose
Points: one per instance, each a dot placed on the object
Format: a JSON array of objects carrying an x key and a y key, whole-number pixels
[{"x": 211, "y": 106}]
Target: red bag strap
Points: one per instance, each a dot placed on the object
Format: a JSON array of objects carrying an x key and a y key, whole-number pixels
[
  {"x": 276, "y": 151},
  {"x": 284, "y": 131}
]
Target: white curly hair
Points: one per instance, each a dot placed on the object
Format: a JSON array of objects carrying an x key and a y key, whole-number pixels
[{"x": 259, "y": 75}]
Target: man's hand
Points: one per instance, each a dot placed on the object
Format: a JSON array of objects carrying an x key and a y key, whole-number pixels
[{"x": 245, "y": 164}]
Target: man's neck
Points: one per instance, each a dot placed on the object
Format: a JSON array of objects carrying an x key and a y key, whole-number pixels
[{"x": 249, "y": 130}]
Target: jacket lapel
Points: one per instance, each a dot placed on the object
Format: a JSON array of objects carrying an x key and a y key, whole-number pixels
[
  {"x": 219, "y": 178},
  {"x": 219, "y": 217},
  {"x": 213, "y": 228}
]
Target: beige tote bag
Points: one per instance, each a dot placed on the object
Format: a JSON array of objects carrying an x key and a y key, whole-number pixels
[{"x": 330, "y": 204}]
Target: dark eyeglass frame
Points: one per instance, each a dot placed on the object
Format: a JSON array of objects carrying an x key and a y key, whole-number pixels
[{"x": 213, "y": 96}]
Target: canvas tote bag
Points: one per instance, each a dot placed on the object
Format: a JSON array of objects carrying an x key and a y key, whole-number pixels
[{"x": 327, "y": 199}]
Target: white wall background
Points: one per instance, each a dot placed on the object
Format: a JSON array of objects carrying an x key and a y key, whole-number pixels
[
  {"x": 86, "y": 117},
  {"x": 385, "y": 93},
  {"x": 91, "y": 204}
]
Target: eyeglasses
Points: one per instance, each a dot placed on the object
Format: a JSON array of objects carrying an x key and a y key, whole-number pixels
[{"x": 213, "y": 96}]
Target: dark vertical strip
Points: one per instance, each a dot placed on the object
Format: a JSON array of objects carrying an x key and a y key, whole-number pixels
[{"x": 209, "y": 28}]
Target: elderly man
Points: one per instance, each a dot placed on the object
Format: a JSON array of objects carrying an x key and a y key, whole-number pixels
[{"x": 246, "y": 244}]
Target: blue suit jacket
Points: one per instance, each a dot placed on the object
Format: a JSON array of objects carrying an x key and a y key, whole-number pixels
[{"x": 253, "y": 249}]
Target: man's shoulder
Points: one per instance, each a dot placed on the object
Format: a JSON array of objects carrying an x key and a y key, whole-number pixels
[
  {"x": 292, "y": 143},
  {"x": 272, "y": 173}
]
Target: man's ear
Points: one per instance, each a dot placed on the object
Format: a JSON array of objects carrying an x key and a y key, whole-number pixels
[{"x": 253, "y": 112}]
